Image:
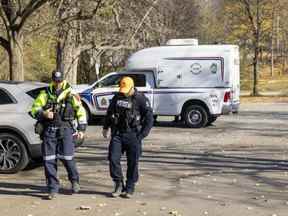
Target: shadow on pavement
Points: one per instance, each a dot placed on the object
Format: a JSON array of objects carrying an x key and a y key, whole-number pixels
[
  {"x": 40, "y": 191},
  {"x": 22, "y": 189}
]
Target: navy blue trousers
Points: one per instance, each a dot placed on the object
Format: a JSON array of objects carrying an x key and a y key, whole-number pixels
[
  {"x": 53, "y": 148},
  {"x": 124, "y": 143}
]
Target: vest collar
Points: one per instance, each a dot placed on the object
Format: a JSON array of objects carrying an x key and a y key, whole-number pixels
[{"x": 66, "y": 90}]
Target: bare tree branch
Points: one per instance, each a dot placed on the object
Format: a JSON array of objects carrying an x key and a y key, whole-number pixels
[
  {"x": 143, "y": 20},
  {"x": 29, "y": 10},
  {"x": 59, "y": 8},
  {"x": 20, "y": 5},
  {"x": 116, "y": 18},
  {"x": 79, "y": 16},
  {"x": 6, "y": 10},
  {"x": 247, "y": 5},
  {"x": 5, "y": 44},
  {"x": 3, "y": 16}
]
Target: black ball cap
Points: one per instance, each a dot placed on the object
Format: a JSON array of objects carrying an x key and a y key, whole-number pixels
[{"x": 57, "y": 76}]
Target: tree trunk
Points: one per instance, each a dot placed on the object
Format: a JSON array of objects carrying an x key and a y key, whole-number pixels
[
  {"x": 68, "y": 47},
  {"x": 278, "y": 35},
  {"x": 272, "y": 40},
  {"x": 16, "y": 64},
  {"x": 284, "y": 56},
  {"x": 255, "y": 72},
  {"x": 70, "y": 59},
  {"x": 68, "y": 53},
  {"x": 96, "y": 60},
  {"x": 256, "y": 52}
]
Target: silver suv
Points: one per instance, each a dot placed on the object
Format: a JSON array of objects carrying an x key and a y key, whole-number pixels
[{"x": 18, "y": 141}]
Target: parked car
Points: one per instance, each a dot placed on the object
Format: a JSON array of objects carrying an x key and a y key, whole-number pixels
[
  {"x": 197, "y": 82},
  {"x": 18, "y": 141}
]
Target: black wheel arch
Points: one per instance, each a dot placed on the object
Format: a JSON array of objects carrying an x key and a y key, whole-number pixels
[
  {"x": 19, "y": 134},
  {"x": 195, "y": 102},
  {"x": 86, "y": 106}
]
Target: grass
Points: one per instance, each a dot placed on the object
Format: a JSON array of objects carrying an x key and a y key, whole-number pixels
[{"x": 263, "y": 99}]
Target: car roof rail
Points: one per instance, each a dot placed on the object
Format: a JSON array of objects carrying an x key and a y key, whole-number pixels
[{"x": 11, "y": 82}]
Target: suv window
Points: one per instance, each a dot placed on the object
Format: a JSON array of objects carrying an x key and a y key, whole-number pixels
[
  {"x": 5, "y": 98},
  {"x": 113, "y": 80},
  {"x": 35, "y": 92}
]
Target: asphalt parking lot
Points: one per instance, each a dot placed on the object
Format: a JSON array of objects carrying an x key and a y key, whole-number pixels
[{"x": 238, "y": 166}]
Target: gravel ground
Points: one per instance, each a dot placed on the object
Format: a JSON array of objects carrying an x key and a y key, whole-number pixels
[{"x": 238, "y": 166}]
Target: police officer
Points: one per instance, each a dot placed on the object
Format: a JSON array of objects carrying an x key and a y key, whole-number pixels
[
  {"x": 55, "y": 108},
  {"x": 130, "y": 118}
]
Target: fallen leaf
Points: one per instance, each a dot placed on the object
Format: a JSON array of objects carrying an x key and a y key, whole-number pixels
[{"x": 84, "y": 207}]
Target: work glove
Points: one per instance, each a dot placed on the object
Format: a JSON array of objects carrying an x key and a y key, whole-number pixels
[
  {"x": 48, "y": 114},
  {"x": 80, "y": 135}
]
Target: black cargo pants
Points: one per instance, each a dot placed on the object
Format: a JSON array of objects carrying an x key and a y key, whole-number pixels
[{"x": 124, "y": 143}]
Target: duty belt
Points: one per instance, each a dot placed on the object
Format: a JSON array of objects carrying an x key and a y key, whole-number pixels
[{"x": 126, "y": 130}]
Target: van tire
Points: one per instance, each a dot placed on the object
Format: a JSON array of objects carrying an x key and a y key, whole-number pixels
[
  {"x": 195, "y": 116},
  {"x": 16, "y": 153}
]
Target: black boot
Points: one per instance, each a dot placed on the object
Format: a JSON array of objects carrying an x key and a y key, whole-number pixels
[
  {"x": 119, "y": 188},
  {"x": 51, "y": 196},
  {"x": 129, "y": 191},
  {"x": 75, "y": 187}
]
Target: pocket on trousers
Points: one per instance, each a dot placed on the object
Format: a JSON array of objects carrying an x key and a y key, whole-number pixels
[{"x": 50, "y": 133}]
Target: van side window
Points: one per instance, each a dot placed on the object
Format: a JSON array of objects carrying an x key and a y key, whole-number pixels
[
  {"x": 113, "y": 80},
  {"x": 139, "y": 79},
  {"x": 5, "y": 98}
]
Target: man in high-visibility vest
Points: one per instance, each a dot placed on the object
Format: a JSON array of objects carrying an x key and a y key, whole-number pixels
[{"x": 55, "y": 108}]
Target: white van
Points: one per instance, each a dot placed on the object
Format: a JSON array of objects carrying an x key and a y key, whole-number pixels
[{"x": 196, "y": 82}]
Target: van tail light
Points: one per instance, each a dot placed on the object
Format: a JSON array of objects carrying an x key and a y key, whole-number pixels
[{"x": 227, "y": 96}]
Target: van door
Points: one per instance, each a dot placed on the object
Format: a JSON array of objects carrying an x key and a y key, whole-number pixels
[
  {"x": 166, "y": 95},
  {"x": 106, "y": 88},
  {"x": 235, "y": 96},
  {"x": 169, "y": 74}
]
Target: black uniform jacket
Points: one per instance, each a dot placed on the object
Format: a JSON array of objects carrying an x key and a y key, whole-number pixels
[{"x": 142, "y": 106}]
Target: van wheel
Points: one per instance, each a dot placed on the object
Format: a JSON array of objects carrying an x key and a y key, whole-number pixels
[
  {"x": 195, "y": 116},
  {"x": 211, "y": 119},
  {"x": 13, "y": 154}
]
